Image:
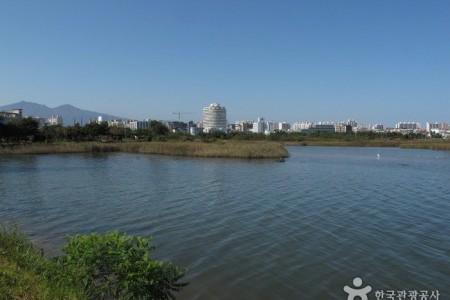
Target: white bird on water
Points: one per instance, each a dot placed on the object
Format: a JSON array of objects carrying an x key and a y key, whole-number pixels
[{"x": 378, "y": 155}]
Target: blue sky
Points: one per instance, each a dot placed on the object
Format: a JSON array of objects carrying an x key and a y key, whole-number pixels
[{"x": 373, "y": 61}]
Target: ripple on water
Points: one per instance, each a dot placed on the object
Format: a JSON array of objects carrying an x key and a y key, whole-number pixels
[{"x": 253, "y": 230}]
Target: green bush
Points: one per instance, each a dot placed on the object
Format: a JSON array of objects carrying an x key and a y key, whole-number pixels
[
  {"x": 119, "y": 266},
  {"x": 95, "y": 266}
]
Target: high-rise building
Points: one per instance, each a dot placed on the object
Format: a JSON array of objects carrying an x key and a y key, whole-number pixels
[
  {"x": 437, "y": 126},
  {"x": 297, "y": 126},
  {"x": 259, "y": 126},
  {"x": 407, "y": 126},
  {"x": 55, "y": 120},
  {"x": 135, "y": 124},
  {"x": 214, "y": 118},
  {"x": 283, "y": 126}
]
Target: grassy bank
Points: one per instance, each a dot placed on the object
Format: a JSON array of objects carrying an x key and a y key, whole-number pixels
[
  {"x": 95, "y": 266},
  {"x": 24, "y": 271},
  {"x": 412, "y": 144},
  {"x": 427, "y": 144},
  {"x": 343, "y": 143},
  {"x": 220, "y": 148}
]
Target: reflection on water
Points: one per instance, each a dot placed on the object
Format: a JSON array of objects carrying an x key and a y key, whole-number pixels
[{"x": 253, "y": 229}]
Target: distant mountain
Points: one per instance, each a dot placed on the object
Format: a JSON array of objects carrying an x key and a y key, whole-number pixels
[{"x": 69, "y": 113}]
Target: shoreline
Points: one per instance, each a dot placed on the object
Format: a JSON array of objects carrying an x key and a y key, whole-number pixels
[
  {"x": 217, "y": 149},
  {"x": 440, "y": 145}
]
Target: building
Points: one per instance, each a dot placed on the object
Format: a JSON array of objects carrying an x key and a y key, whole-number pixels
[
  {"x": 55, "y": 120},
  {"x": 407, "y": 126},
  {"x": 214, "y": 118},
  {"x": 352, "y": 123},
  {"x": 130, "y": 124},
  {"x": 193, "y": 129},
  {"x": 441, "y": 128},
  {"x": 259, "y": 126},
  {"x": 177, "y": 126},
  {"x": 378, "y": 127},
  {"x": 437, "y": 127},
  {"x": 243, "y": 126},
  {"x": 330, "y": 128},
  {"x": 116, "y": 123},
  {"x": 283, "y": 126},
  {"x": 8, "y": 116},
  {"x": 135, "y": 125},
  {"x": 297, "y": 126},
  {"x": 271, "y": 127},
  {"x": 343, "y": 128}
]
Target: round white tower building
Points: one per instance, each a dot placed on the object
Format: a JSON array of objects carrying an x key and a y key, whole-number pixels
[{"x": 214, "y": 117}]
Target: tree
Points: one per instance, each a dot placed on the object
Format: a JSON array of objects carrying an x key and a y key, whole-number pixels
[
  {"x": 158, "y": 129},
  {"x": 29, "y": 128},
  {"x": 95, "y": 130},
  {"x": 117, "y": 132},
  {"x": 74, "y": 133},
  {"x": 22, "y": 129},
  {"x": 54, "y": 132},
  {"x": 3, "y": 129}
]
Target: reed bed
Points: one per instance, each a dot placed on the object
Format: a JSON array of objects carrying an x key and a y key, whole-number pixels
[
  {"x": 413, "y": 144},
  {"x": 343, "y": 143},
  {"x": 443, "y": 145},
  {"x": 226, "y": 149},
  {"x": 220, "y": 148},
  {"x": 232, "y": 149},
  {"x": 60, "y": 148}
]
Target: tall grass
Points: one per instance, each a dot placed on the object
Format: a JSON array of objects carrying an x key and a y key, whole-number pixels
[
  {"x": 343, "y": 143},
  {"x": 427, "y": 144},
  {"x": 61, "y": 148},
  {"x": 413, "y": 144},
  {"x": 220, "y": 148},
  {"x": 25, "y": 273}
]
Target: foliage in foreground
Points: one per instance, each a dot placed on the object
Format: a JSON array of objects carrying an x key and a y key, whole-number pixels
[
  {"x": 119, "y": 266},
  {"x": 26, "y": 274},
  {"x": 95, "y": 266}
]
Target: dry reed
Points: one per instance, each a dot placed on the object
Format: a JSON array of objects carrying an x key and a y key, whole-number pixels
[{"x": 231, "y": 149}]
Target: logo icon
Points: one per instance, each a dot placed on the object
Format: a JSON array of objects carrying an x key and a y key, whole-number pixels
[{"x": 358, "y": 292}]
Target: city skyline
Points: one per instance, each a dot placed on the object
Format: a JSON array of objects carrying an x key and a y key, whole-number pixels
[
  {"x": 381, "y": 62},
  {"x": 177, "y": 116}
]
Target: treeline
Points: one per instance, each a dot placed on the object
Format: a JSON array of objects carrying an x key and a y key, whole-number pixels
[
  {"x": 294, "y": 137},
  {"x": 28, "y": 130}
]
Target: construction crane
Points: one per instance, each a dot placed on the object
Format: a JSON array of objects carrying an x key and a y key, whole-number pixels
[{"x": 181, "y": 113}]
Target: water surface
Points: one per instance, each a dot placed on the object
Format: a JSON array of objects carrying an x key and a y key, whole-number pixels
[{"x": 253, "y": 229}]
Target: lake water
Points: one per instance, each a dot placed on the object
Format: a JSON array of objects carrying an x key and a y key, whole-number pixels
[{"x": 254, "y": 229}]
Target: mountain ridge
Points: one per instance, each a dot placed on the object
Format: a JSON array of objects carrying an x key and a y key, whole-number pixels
[{"x": 70, "y": 113}]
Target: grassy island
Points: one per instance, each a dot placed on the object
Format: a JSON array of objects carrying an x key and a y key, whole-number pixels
[{"x": 219, "y": 148}]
